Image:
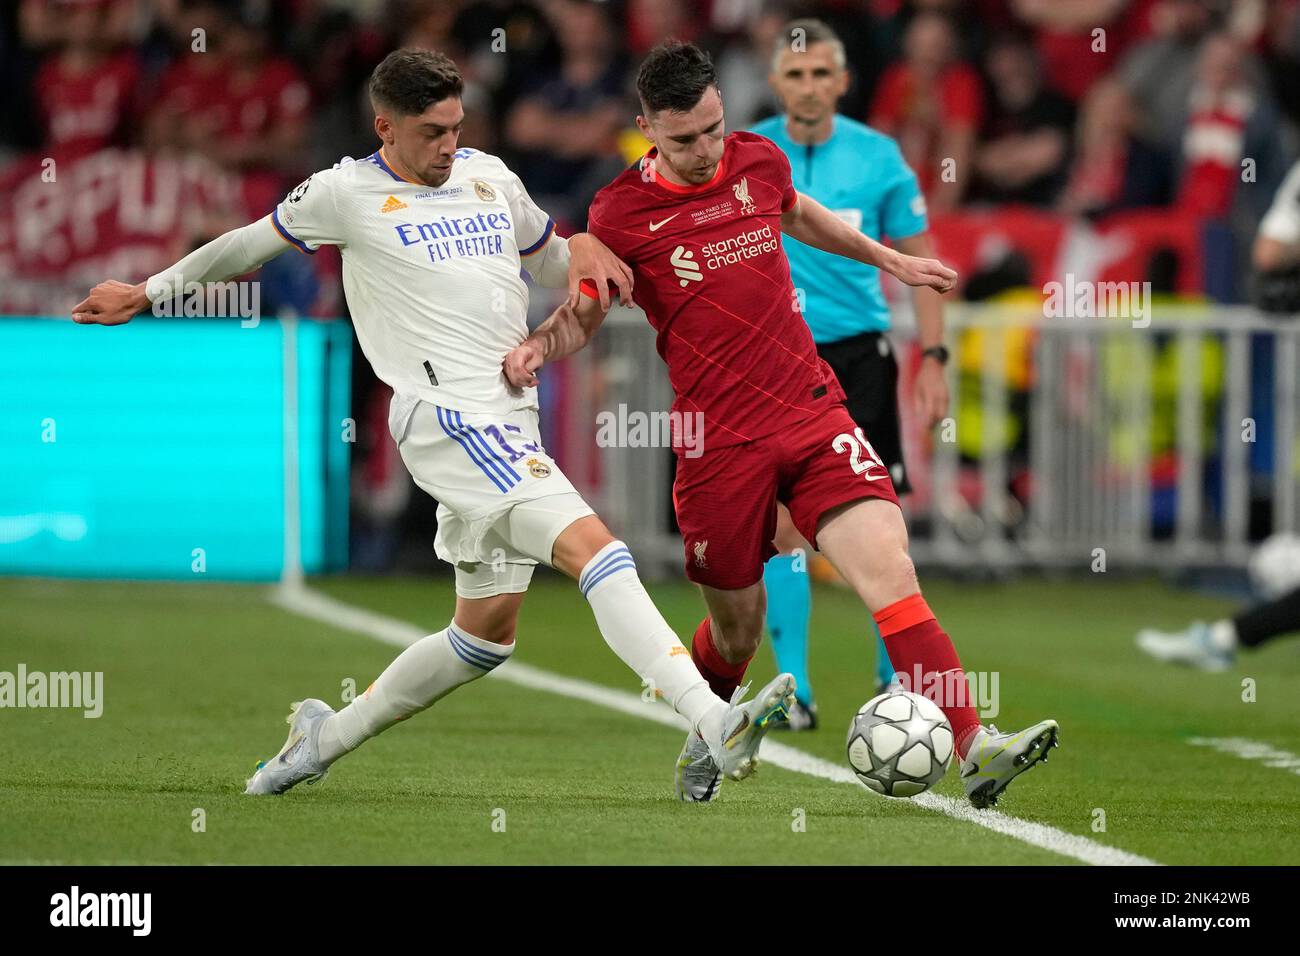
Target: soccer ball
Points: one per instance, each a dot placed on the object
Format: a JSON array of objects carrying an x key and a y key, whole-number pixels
[
  {"x": 900, "y": 744},
  {"x": 1275, "y": 565}
]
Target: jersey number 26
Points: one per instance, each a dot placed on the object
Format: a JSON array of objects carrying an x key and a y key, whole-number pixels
[{"x": 854, "y": 444}]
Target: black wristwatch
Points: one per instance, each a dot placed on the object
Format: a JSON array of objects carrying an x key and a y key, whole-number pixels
[{"x": 937, "y": 352}]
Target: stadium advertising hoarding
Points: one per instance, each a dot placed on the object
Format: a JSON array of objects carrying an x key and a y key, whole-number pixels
[{"x": 157, "y": 449}]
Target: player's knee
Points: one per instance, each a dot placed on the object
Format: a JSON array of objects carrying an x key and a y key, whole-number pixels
[
  {"x": 889, "y": 576},
  {"x": 492, "y": 619},
  {"x": 577, "y": 544},
  {"x": 902, "y": 573},
  {"x": 886, "y": 563},
  {"x": 738, "y": 642},
  {"x": 502, "y": 631},
  {"x": 740, "y": 631},
  {"x": 501, "y": 634},
  {"x": 496, "y": 630}
]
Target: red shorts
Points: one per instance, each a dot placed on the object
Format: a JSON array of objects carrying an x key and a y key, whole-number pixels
[{"x": 726, "y": 498}]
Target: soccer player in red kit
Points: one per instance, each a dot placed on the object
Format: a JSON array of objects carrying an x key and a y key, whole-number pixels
[{"x": 699, "y": 220}]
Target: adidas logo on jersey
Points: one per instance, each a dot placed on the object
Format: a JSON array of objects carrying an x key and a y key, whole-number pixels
[
  {"x": 392, "y": 205},
  {"x": 685, "y": 266}
]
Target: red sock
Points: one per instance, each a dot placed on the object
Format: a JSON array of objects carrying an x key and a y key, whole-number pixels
[
  {"x": 722, "y": 676},
  {"x": 923, "y": 656}
]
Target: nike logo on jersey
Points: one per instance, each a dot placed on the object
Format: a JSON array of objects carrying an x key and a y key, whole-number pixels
[{"x": 654, "y": 226}]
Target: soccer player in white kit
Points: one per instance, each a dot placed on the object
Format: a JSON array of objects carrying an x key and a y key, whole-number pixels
[{"x": 433, "y": 239}]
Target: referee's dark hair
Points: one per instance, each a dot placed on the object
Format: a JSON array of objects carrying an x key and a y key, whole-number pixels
[{"x": 673, "y": 77}]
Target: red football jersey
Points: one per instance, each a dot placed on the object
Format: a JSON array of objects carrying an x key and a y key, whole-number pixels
[{"x": 711, "y": 276}]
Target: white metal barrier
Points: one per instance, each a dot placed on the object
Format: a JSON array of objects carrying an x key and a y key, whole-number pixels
[{"x": 1065, "y": 436}]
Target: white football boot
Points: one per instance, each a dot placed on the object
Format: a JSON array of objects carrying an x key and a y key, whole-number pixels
[
  {"x": 801, "y": 718},
  {"x": 1194, "y": 647},
  {"x": 745, "y": 724},
  {"x": 698, "y": 778},
  {"x": 734, "y": 753},
  {"x": 299, "y": 759},
  {"x": 995, "y": 759}
]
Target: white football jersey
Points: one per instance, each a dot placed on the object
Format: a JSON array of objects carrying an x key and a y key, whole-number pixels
[{"x": 431, "y": 275}]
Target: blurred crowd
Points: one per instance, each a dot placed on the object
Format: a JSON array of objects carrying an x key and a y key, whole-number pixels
[
  {"x": 1061, "y": 108},
  {"x": 1080, "y": 106}
]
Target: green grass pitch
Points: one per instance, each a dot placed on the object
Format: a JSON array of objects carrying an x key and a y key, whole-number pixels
[{"x": 198, "y": 678}]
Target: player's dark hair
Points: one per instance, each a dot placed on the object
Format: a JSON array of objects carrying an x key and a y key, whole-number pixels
[
  {"x": 673, "y": 77},
  {"x": 409, "y": 81}
]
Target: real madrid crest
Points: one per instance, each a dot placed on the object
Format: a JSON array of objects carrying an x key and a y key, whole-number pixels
[
  {"x": 538, "y": 469},
  {"x": 484, "y": 191}
]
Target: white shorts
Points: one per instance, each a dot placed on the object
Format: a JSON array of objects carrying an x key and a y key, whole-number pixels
[{"x": 502, "y": 500}]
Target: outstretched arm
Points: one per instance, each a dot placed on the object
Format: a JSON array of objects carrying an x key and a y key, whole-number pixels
[
  {"x": 232, "y": 254},
  {"x": 812, "y": 223},
  {"x": 565, "y": 331}
]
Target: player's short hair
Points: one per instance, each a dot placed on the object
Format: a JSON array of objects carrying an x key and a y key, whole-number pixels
[
  {"x": 673, "y": 77},
  {"x": 410, "y": 80},
  {"x": 800, "y": 34}
]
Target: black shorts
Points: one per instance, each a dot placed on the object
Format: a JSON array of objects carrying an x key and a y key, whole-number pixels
[{"x": 867, "y": 371}]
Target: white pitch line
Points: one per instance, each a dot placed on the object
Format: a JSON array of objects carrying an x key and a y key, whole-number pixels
[
  {"x": 27, "y": 861},
  {"x": 1248, "y": 749},
  {"x": 319, "y": 607}
]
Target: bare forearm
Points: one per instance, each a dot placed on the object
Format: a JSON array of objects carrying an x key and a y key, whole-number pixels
[
  {"x": 561, "y": 334},
  {"x": 565, "y": 331},
  {"x": 813, "y": 224},
  {"x": 926, "y": 303},
  {"x": 928, "y": 306}
]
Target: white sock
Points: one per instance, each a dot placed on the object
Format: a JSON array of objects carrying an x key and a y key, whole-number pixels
[
  {"x": 1223, "y": 635},
  {"x": 635, "y": 630},
  {"x": 425, "y": 672}
]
